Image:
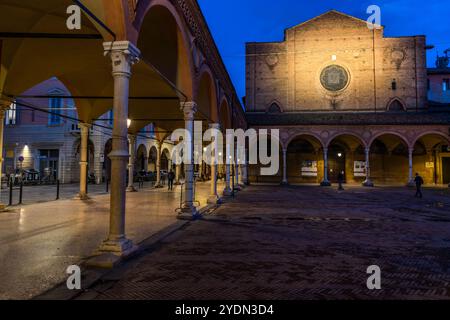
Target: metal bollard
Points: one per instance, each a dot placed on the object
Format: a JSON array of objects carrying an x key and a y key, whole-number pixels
[
  {"x": 57, "y": 189},
  {"x": 10, "y": 193},
  {"x": 21, "y": 192}
]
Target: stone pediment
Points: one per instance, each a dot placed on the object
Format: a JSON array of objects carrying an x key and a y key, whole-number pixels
[{"x": 331, "y": 20}]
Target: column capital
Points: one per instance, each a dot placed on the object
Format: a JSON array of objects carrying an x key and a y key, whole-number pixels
[
  {"x": 123, "y": 55},
  {"x": 189, "y": 109},
  {"x": 84, "y": 126},
  {"x": 214, "y": 126},
  {"x": 132, "y": 137}
]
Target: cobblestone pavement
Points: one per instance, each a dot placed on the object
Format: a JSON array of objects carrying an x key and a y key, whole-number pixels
[
  {"x": 276, "y": 242},
  {"x": 39, "y": 241}
]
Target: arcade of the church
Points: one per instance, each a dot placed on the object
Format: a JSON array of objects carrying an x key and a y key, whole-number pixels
[{"x": 347, "y": 99}]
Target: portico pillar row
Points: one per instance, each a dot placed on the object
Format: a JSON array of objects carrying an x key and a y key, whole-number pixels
[{"x": 158, "y": 164}]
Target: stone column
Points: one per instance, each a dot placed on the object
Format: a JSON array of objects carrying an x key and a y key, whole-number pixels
[
  {"x": 368, "y": 182},
  {"x": 188, "y": 210},
  {"x": 236, "y": 171},
  {"x": 245, "y": 171},
  {"x": 84, "y": 162},
  {"x": 158, "y": 165},
  {"x": 123, "y": 55},
  {"x": 132, "y": 151},
  {"x": 285, "y": 180},
  {"x": 325, "y": 182},
  {"x": 4, "y": 105},
  {"x": 411, "y": 176},
  {"x": 177, "y": 174},
  {"x": 213, "y": 196}
]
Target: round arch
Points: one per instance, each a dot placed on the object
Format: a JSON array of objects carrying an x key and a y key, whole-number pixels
[
  {"x": 172, "y": 54},
  {"x": 389, "y": 159},
  {"x": 346, "y": 134},
  {"x": 387, "y": 133},
  {"x": 206, "y": 95},
  {"x": 152, "y": 158},
  {"x": 141, "y": 158},
  {"x": 225, "y": 114},
  {"x": 432, "y": 133},
  {"x": 304, "y": 159},
  {"x": 303, "y": 134}
]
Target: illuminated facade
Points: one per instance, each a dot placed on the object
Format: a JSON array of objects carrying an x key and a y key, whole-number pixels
[{"x": 347, "y": 99}]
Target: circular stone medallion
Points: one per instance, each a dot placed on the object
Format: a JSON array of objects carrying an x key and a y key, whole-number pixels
[{"x": 334, "y": 78}]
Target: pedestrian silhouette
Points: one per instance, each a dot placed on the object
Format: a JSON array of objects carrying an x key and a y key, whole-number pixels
[
  {"x": 419, "y": 183},
  {"x": 171, "y": 178}
]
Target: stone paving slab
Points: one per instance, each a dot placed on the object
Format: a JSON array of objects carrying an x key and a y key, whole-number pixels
[
  {"x": 39, "y": 241},
  {"x": 305, "y": 243}
]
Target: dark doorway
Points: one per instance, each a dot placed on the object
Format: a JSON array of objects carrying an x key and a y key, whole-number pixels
[
  {"x": 446, "y": 170},
  {"x": 336, "y": 162}
]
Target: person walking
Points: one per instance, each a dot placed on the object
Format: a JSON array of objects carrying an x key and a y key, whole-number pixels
[
  {"x": 171, "y": 178},
  {"x": 419, "y": 183},
  {"x": 341, "y": 179}
]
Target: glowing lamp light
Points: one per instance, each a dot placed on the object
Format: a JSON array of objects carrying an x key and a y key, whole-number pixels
[
  {"x": 128, "y": 123},
  {"x": 339, "y": 155},
  {"x": 204, "y": 149},
  {"x": 333, "y": 57}
]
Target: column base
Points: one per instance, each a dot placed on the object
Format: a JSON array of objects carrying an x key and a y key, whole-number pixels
[
  {"x": 227, "y": 192},
  {"x": 368, "y": 183},
  {"x": 158, "y": 186},
  {"x": 189, "y": 213},
  {"x": 325, "y": 183},
  {"x": 131, "y": 189},
  {"x": 112, "y": 252},
  {"x": 284, "y": 183},
  {"x": 177, "y": 184},
  {"x": 411, "y": 184},
  {"x": 82, "y": 197},
  {"x": 214, "y": 200}
]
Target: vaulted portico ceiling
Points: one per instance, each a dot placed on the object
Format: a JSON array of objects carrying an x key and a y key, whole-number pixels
[{"x": 76, "y": 57}]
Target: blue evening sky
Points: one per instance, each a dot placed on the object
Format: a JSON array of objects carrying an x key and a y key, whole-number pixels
[{"x": 235, "y": 22}]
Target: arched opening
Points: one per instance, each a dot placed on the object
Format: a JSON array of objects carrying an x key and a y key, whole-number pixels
[
  {"x": 396, "y": 106},
  {"x": 225, "y": 115},
  {"x": 207, "y": 98},
  {"x": 304, "y": 160},
  {"x": 254, "y": 170},
  {"x": 141, "y": 159},
  {"x": 152, "y": 158},
  {"x": 168, "y": 51},
  {"x": 274, "y": 108},
  {"x": 346, "y": 154},
  {"x": 389, "y": 160},
  {"x": 431, "y": 158},
  {"x": 166, "y": 161}
]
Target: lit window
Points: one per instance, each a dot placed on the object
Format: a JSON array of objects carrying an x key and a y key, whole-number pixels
[
  {"x": 446, "y": 85},
  {"x": 11, "y": 115}
]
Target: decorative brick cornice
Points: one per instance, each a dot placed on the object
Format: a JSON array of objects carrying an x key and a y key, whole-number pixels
[{"x": 195, "y": 21}]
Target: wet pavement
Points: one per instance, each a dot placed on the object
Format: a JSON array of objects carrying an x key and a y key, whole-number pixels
[
  {"x": 296, "y": 242},
  {"x": 39, "y": 241}
]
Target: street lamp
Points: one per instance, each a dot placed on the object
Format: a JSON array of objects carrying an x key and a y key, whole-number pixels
[{"x": 128, "y": 123}]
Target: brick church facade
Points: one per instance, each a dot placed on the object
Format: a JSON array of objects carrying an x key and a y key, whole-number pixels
[{"x": 347, "y": 99}]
